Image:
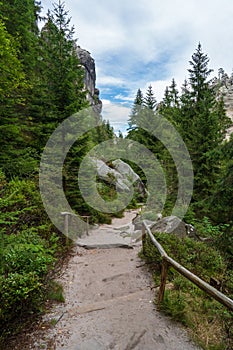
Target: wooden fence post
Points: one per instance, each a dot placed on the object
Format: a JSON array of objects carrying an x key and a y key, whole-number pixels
[
  {"x": 66, "y": 224},
  {"x": 86, "y": 217},
  {"x": 143, "y": 239},
  {"x": 163, "y": 281}
]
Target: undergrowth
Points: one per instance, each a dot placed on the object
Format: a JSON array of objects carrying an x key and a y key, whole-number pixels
[
  {"x": 30, "y": 247},
  {"x": 210, "y": 323}
]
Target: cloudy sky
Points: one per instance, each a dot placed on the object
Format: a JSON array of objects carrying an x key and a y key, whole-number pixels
[{"x": 137, "y": 43}]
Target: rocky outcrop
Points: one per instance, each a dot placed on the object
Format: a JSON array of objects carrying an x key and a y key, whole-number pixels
[
  {"x": 224, "y": 88},
  {"x": 170, "y": 224},
  {"x": 127, "y": 172},
  {"x": 120, "y": 174},
  {"x": 88, "y": 64}
]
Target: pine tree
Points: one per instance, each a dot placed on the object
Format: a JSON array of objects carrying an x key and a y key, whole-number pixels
[
  {"x": 12, "y": 86},
  {"x": 220, "y": 204},
  {"x": 60, "y": 89},
  {"x": 169, "y": 108},
  {"x": 137, "y": 105},
  {"x": 150, "y": 101},
  {"x": 21, "y": 19},
  {"x": 203, "y": 125}
]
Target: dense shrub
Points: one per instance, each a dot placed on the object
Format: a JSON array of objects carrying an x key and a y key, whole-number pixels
[
  {"x": 28, "y": 251},
  {"x": 211, "y": 323}
]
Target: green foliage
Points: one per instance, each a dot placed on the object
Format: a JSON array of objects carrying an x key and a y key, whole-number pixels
[
  {"x": 28, "y": 251},
  {"x": 149, "y": 101},
  {"x": 59, "y": 90},
  {"x": 25, "y": 261},
  {"x": 206, "y": 228},
  {"x": 137, "y": 105},
  {"x": 198, "y": 257},
  {"x": 210, "y": 322},
  {"x": 55, "y": 292},
  {"x": 200, "y": 118},
  {"x": 207, "y": 123},
  {"x": 21, "y": 22},
  {"x": 12, "y": 83}
]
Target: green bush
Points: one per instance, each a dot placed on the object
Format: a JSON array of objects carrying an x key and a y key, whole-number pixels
[
  {"x": 25, "y": 261},
  {"x": 198, "y": 257},
  {"x": 29, "y": 247},
  {"x": 211, "y": 323}
]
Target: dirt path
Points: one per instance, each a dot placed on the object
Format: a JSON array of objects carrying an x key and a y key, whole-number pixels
[{"x": 109, "y": 305}]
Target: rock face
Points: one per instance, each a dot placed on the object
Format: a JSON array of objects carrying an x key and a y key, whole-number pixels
[
  {"x": 224, "y": 87},
  {"x": 121, "y": 175},
  {"x": 88, "y": 64},
  {"x": 127, "y": 172},
  {"x": 170, "y": 224}
]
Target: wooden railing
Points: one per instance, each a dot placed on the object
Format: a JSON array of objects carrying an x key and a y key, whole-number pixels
[{"x": 168, "y": 261}]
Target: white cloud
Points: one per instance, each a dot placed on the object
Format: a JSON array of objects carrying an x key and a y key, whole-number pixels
[
  {"x": 124, "y": 98},
  {"x": 117, "y": 115},
  {"x": 138, "y": 43}
]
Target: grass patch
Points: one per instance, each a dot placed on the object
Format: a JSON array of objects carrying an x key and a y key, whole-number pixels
[{"x": 55, "y": 292}]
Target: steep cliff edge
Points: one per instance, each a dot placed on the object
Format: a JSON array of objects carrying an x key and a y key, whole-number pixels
[{"x": 88, "y": 64}]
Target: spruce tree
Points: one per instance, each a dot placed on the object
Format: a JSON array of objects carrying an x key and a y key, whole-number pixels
[
  {"x": 150, "y": 101},
  {"x": 137, "y": 105},
  {"x": 220, "y": 204},
  {"x": 21, "y": 19},
  {"x": 203, "y": 125},
  {"x": 60, "y": 89},
  {"x": 12, "y": 87},
  {"x": 169, "y": 108}
]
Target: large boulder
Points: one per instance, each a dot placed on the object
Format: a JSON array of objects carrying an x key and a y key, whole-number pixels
[
  {"x": 128, "y": 173},
  {"x": 137, "y": 222},
  {"x": 111, "y": 175},
  {"x": 170, "y": 224},
  {"x": 121, "y": 175}
]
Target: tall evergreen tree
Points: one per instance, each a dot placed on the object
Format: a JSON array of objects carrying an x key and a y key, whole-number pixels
[
  {"x": 137, "y": 105},
  {"x": 150, "y": 101},
  {"x": 169, "y": 107},
  {"x": 21, "y": 19},
  {"x": 220, "y": 204},
  {"x": 203, "y": 125},
  {"x": 12, "y": 87},
  {"x": 60, "y": 89}
]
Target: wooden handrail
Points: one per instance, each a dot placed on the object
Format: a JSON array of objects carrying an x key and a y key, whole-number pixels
[{"x": 168, "y": 261}]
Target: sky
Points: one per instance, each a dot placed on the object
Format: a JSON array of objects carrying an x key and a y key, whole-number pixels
[{"x": 143, "y": 42}]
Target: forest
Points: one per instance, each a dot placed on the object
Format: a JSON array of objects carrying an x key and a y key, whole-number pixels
[{"x": 42, "y": 84}]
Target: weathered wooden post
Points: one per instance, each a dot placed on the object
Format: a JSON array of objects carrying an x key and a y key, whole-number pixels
[
  {"x": 66, "y": 224},
  {"x": 143, "y": 239},
  {"x": 87, "y": 223},
  {"x": 163, "y": 281}
]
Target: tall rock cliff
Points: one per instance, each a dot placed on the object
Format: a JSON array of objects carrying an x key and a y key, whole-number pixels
[
  {"x": 224, "y": 87},
  {"x": 88, "y": 65}
]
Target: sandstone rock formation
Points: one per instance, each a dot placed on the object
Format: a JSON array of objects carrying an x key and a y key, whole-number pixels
[
  {"x": 170, "y": 224},
  {"x": 224, "y": 87},
  {"x": 88, "y": 64},
  {"x": 121, "y": 175}
]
